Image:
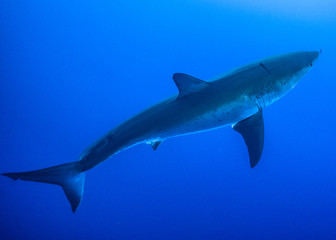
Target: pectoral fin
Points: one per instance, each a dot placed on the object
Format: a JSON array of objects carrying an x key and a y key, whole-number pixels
[{"x": 252, "y": 130}]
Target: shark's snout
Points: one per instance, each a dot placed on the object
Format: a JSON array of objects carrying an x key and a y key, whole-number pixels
[{"x": 313, "y": 56}]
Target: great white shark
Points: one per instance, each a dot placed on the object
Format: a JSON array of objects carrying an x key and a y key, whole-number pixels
[{"x": 235, "y": 98}]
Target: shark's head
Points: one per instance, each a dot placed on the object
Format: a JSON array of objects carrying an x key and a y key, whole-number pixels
[
  {"x": 289, "y": 68},
  {"x": 295, "y": 65},
  {"x": 284, "y": 72}
]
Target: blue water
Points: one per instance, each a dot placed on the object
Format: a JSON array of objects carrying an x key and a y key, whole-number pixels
[{"x": 72, "y": 70}]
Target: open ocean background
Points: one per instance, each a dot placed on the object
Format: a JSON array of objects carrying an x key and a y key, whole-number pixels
[{"x": 71, "y": 70}]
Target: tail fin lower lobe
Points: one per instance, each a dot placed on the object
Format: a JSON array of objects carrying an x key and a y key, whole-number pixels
[{"x": 68, "y": 176}]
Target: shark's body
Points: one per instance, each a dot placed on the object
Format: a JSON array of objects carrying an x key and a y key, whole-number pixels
[{"x": 235, "y": 98}]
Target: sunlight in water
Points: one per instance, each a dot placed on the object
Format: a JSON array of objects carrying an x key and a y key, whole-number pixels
[{"x": 304, "y": 9}]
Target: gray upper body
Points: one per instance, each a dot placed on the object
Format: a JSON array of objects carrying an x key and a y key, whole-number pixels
[{"x": 200, "y": 106}]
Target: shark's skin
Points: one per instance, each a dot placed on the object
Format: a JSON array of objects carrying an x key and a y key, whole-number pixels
[
  {"x": 234, "y": 98},
  {"x": 226, "y": 100}
]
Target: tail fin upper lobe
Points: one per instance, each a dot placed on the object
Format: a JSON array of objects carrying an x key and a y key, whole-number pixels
[{"x": 68, "y": 176}]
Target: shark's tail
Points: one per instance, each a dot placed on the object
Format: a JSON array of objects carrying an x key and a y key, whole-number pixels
[{"x": 68, "y": 176}]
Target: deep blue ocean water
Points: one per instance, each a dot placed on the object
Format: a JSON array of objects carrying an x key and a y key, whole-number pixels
[{"x": 72, "y": 70}]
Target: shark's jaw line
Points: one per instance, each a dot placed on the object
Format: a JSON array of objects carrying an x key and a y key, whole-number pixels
[{"x": 236, "y": 98}]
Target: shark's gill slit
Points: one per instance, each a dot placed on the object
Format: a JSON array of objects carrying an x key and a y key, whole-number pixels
[{"x": 265, "y": 68}]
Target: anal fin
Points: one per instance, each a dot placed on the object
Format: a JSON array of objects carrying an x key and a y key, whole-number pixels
[{"x": 155, "y": 143}]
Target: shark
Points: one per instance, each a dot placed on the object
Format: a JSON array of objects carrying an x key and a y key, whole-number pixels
[{"x": 236, "y": 98}]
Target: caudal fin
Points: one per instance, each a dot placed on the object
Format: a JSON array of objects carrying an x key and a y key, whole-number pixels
[{"x": 68, "y": 176}]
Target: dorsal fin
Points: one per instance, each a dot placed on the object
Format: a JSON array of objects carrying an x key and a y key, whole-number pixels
[
  {"x": 187, "y": 84},
  {"x": 252, "y": 130}
]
